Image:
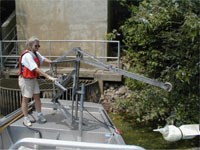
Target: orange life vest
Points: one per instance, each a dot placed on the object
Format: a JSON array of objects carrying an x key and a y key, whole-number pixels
[{"x": 25, "y": 72}]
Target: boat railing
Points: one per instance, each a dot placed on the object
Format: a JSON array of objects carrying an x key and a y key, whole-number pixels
[
  {"x": 72, "y": 144},
  {"x": 8, "y": 119}
]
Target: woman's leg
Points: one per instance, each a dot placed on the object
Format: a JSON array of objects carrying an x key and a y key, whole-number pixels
[
  {"x": 37, "y": 102},
  {"x": 41, "y": 118},
  {"x": 25, "y": 101}
]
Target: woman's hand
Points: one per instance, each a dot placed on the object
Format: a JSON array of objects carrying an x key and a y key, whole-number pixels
[{"x": 52, "y": 79}]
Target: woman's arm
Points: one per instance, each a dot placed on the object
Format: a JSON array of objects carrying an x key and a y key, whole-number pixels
[
  {"x": 46, "y": 60},
  {"x": 38, "y": 70}
]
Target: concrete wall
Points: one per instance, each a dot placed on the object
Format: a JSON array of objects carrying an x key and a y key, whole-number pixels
[
  {"x": 8, "y": 33},
  {"x": 63, "y": 20}
]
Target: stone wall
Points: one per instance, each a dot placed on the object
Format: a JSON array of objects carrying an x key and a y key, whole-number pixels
[{"x": 63, "y": 20}]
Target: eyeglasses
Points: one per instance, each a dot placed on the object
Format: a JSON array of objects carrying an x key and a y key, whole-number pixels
[{"x": 37, "y": 46}]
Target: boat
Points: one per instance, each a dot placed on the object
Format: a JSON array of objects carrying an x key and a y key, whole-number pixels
[{"x": 71, "y": 124}]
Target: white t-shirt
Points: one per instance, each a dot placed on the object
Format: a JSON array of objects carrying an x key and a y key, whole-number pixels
[{"x": 29, "y": 62}]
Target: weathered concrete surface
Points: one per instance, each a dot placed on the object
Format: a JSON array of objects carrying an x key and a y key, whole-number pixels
[{"x": 63, "y": 20}]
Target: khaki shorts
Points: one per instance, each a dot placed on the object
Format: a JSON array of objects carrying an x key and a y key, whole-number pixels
[{"x": 28, "y": 87}]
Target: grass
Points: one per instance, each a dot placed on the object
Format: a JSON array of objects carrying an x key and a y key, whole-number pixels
[{"x": 143, "y": 135}]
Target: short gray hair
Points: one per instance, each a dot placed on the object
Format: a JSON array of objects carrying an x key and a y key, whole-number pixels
[{"x": 30, "y": 41}]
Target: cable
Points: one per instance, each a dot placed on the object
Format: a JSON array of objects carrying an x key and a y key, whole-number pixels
[
  {"x": 112, "y": 126},
  {"x": 37, "y": 131},
  {"x": 98, "y": 119},
  {"x": 33, "y": 121}
]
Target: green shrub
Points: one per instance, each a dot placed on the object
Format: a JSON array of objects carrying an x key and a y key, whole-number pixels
[{"x": 162, "y": 39}]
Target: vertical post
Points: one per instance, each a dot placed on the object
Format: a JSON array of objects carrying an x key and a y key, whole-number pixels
[
  {"x": 118, "y": 54},
  {"x": 77, "y": 79},
  {"x": 17, "y": 47},
  {"x": 53, "y": 74},
  {"x": 76, "y": 84},
  {"x": 1, "y": 58},
  {"x": 103, "y": 51},
  {"x": 73, "y": 95},
  {"x": 50, "y": 50},
  {"x": 50, "y": 66},
  {"x": 15, "y": 42},
  {"x": 81, "y": 108}
]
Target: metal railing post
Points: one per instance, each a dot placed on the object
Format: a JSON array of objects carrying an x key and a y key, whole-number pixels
[
  {"x": 50, "y": 66},
  {"x": 77, "y": 66},
  {"x": 50, "y": 50},
  {"x": 118, "y": 54},
  {"x": 103, "y": 50},
  {"x": 1, "y": 58},
  {"x": 81, "y": 109}
]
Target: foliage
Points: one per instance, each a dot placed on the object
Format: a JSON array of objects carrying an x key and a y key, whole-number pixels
[
  {"x": 112, "y": 35},
  {"x": 162, "y": 39}
]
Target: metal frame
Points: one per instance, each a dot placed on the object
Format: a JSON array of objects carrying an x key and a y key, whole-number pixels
[
  {"x": 80, "y": 55},
  {"x": 61, "y": 83}
]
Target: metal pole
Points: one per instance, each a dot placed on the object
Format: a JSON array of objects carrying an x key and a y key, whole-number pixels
[
  {"x": 73, "y": 144},
  {"x": 103, "y": 51},
  {"x": 50, "y": 66},
  {"x": 76, "y": 84},
  {"x": 50, "y": 50},
  {"x": 89, "y": 41},
  {"x": 1, "y": 58},
  {"x": 81, "y": 109},
  {"x": 77, "y": 80},
  {"x": 73, "y": 96},
  {"x": 118, "y": 54},
  {"x": 15, "y": 43}
]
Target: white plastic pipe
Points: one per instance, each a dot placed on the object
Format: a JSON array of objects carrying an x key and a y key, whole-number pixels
[{"x": 172, "y": 133}]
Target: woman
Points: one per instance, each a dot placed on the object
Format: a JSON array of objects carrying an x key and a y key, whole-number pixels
[{"x": 29, "y": 70}]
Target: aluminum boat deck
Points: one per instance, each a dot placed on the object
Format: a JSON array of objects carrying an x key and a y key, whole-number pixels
[{"x": 96, "y": 127}]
